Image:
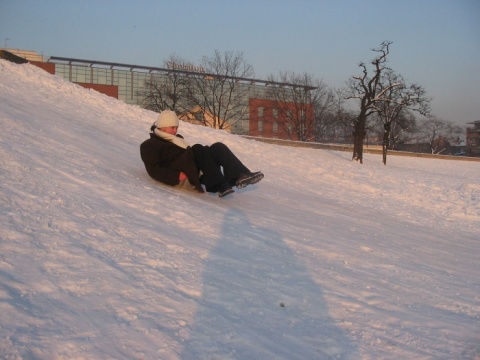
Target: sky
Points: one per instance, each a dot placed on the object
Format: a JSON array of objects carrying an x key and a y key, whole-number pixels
[
  {"x": 325, "y": 258},
  {"x": 436, "y": 43}
]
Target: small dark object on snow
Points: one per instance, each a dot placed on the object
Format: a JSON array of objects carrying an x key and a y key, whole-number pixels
[{"x": 282, "y": 304}]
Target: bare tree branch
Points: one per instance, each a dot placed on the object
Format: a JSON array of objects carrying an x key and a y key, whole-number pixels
[
  {"x": 364, "y": 89},
  {"x": 219, "y": 94}
]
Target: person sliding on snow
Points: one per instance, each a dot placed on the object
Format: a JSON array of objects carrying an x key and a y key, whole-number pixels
[{"x": 168, "y": 158}]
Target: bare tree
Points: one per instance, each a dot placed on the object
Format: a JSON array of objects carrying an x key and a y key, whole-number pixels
[
  {"x": 166, "y": 91},
  {"x": 439, "y": 134},
  {"x": 326, "y": 110},
  {"x": 333, "y": 121},
  {"x": 217, "y": 97},
  {"x": 299, "y": 97},
  {"x": 395, "y": 97},
  {"x": 402, "y": 130},
  {"x": 365, "y": 89}
]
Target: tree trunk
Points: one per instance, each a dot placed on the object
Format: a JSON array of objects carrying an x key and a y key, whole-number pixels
[
  {"x": 385, "y": 149},
  {"x": 386, "y": 142},
  {"x": 358, "y": 138}
]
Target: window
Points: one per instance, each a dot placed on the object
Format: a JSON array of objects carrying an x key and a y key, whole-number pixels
[
  {"x": 275, "y": 113},
  {"x": 275, "y": 127},
  {"x": 260, "y": 126},
  {"x": 260, "y": 111}
]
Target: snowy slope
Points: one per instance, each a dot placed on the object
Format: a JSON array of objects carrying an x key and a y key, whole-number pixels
[{"x": 323, "y": 259}]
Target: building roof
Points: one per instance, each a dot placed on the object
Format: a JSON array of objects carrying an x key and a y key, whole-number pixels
[{"x": 94, "y": 63}]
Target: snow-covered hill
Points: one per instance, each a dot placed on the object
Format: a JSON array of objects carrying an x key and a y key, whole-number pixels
[{"x": 323, "y": 259}]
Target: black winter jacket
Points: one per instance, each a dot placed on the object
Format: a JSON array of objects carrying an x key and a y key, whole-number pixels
[{"x": 164, "y": 161}]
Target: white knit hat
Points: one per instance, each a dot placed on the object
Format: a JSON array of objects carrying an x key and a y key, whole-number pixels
[{"x": 167, "y": 118}]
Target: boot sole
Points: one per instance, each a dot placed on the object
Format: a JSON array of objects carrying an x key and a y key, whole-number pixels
[
  {"x": 225, "y": 193},
  {"x": 255, "y": 178}
]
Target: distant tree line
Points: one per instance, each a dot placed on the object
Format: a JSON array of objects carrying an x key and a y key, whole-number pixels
[{"x": 388, "y": 112}]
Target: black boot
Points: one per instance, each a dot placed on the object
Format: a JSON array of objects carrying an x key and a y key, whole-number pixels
[
  {"x": 224, "y": 190},
  {"x": 248, "y": 179}
]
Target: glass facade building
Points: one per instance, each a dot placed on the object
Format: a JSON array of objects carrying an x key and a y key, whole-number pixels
[{"x": 130, "y": 82}]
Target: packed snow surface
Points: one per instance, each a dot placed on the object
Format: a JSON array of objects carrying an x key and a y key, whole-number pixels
[{"x": 325, "y": 258}]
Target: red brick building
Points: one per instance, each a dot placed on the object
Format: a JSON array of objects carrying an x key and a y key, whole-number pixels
[
  {"x": 267, "y": 119},
  {"x": 473, "y": 139}
]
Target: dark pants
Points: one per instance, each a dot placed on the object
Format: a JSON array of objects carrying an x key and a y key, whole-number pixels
[{"x": 212, "y": 159}]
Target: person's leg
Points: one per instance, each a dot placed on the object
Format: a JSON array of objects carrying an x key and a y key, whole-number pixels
[
  {"x": 233, "y": 168},
  {"x": 212, "y": 177},
  {"x": 236, "y": 173},
  {"x": 211, "y": 159}
]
